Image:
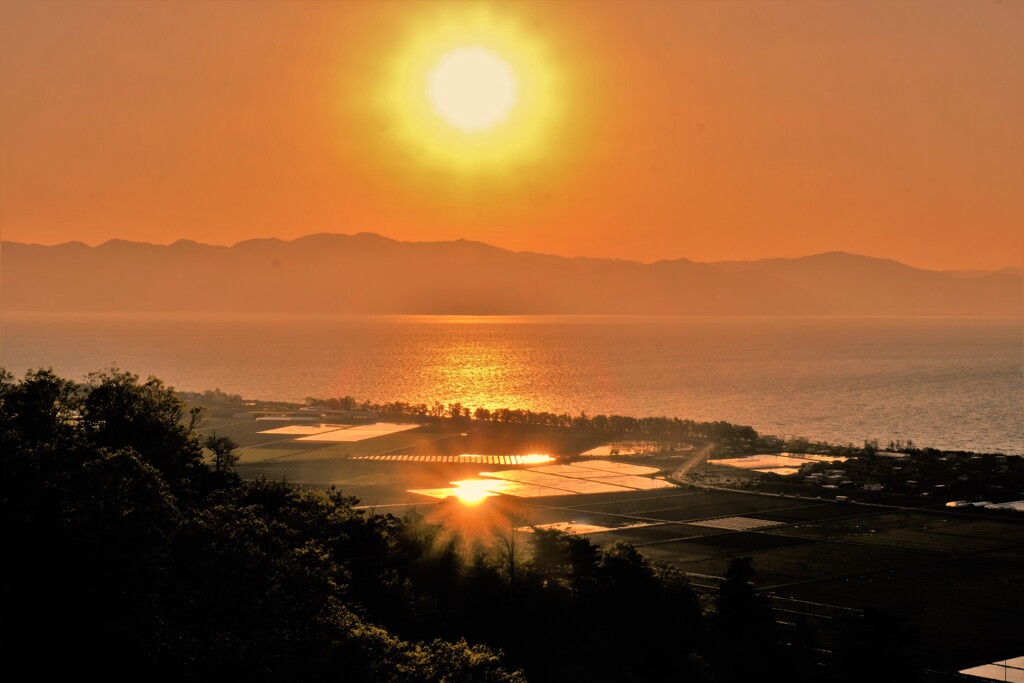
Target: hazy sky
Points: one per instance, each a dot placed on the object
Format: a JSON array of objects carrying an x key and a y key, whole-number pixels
[{"x": 706, "y": 130}]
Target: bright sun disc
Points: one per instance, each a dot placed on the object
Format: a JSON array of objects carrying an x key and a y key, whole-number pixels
[
  {"x": 472, "y": 91},
  {"x": 472, "y": 88}
]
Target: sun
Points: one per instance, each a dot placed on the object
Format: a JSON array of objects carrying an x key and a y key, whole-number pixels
[
  {"x": 472, "y": 91},
  {"x": 472, "y": 88}
]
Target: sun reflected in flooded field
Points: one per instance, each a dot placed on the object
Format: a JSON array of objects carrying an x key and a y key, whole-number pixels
[
  {"x": 593, "y": 476},
  {"x": 464, "y": 458},
  {"x": 525, "y": 459},
  {"x": 535, "y": 459},
  {"x": 475, "y": 514},
  {"x": 474, "y": 491}
]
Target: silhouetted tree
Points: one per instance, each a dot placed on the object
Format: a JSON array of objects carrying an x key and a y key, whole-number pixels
[
  {"x": 118, "y": 412},
  {"x": 223, "y": 449},
  {"x": 510, "y": 517},
  {"x": 747, "y": 641}
]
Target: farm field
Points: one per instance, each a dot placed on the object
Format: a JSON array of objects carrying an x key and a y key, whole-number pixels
[{"x": 953, "y": 577}]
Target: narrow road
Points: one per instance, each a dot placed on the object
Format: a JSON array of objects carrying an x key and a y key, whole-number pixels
[{"x": 695, "y": 458}]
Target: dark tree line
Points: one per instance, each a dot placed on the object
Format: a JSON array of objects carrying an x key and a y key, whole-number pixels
[
  {"x": 133, "y": 551},
  {"x": 612, "y": 426}
]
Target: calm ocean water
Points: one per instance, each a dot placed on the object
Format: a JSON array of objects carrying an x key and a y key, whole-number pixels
[{"x": 943, "y": 382}]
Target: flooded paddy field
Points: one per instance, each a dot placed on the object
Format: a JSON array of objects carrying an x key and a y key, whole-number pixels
[{"x": 355, "y": 456}]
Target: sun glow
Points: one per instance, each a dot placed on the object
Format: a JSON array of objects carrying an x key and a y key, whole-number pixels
[
  {"x": 473, "y": 91},
  {"x": 472, "y": 88}
]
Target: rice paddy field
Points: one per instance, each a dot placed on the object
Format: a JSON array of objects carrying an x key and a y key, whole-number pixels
[
  {"x": 953, "y": 575},
  {"x": 954, "y": 578}
]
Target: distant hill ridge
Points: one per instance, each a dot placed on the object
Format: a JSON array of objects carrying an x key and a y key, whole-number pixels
[{"x": 367, "y": 273}]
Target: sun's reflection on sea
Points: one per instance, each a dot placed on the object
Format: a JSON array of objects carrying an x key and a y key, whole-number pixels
[
  {"x": 530, "y": 362},
  {"x": 470, "y": 369}
]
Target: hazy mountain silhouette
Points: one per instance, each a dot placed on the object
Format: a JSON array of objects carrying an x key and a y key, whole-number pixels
[{"x": 368, "y": 273}]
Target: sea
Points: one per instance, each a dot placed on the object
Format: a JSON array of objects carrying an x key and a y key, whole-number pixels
[{"x": 943, "y": 382}]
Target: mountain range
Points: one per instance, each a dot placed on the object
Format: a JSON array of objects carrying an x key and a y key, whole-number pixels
[{"x": 370, "y": 274}]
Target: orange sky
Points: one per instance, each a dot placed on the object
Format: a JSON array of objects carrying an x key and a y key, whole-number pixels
[{"x": 706, "y": 130}]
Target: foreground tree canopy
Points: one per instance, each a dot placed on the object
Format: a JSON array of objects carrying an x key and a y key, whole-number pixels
[{"x": 134, "y": 551}]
